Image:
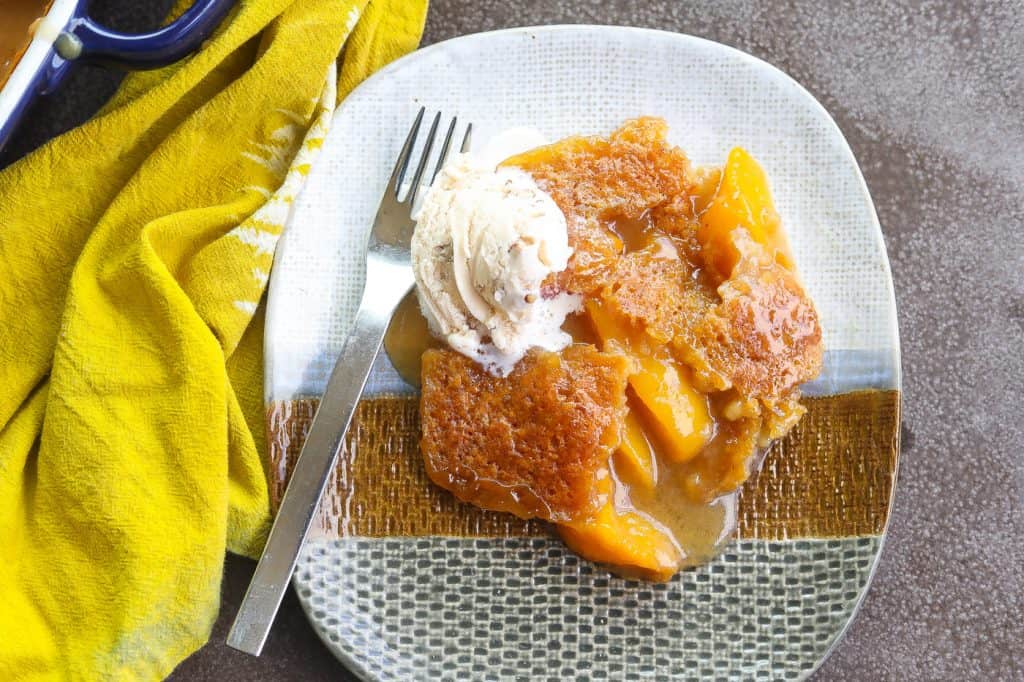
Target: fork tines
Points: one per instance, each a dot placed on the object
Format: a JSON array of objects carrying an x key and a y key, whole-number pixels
[{"x": 402, "y": 165}]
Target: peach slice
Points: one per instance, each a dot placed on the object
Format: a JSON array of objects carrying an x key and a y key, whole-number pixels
[
  {"x": 634, "y": 460},
  {"x": 610, "y": 329},
  {"x": 676, "y": 413},
  {"x": 744, "y": 201},
  {"x": 625, "y": 540}
]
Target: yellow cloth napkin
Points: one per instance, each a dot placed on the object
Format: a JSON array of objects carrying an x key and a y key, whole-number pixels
[{"x": 134, "y": 252}]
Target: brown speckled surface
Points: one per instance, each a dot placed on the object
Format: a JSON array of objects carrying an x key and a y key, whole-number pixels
[{"x": 930, "y": 96}]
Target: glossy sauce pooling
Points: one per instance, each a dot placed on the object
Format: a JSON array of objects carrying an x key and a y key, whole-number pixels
[
  {"x": 16, "y": 19},
  {"x": 407, "y": 338}
]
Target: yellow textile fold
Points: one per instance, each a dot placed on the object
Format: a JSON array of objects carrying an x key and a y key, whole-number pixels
[{"x": 134, "y": 254}]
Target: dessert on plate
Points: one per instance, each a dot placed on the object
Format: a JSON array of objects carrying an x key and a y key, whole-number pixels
[{"x": 619, "y": 337}]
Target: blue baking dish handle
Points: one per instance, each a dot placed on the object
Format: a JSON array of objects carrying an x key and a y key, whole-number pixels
[
  {"x": 83, "y": 40},
  {"x": 86, "y": 41}
]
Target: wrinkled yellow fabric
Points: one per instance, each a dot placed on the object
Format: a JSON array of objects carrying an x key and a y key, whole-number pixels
[{"x": 134, "y": 253}]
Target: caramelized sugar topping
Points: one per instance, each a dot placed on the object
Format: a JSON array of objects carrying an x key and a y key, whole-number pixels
[
  {"x": 596, "y": 180},
  {"x": 535, "y": 443},
  {"x": 764, "y": 335},
  {"x": 656, "y": 292}
]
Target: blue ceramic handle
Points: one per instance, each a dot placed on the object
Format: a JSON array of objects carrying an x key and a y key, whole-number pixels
[{"x": 96, "y": 43}]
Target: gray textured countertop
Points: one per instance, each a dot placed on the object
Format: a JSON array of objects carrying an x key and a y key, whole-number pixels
[{"x": 930, "y": 96}]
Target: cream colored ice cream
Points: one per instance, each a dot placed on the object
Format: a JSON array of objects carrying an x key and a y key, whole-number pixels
[{"x": 486, "y": 238}]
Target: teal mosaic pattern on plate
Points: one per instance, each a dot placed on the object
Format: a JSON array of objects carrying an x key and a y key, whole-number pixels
[{"x": 452, "y": 608}]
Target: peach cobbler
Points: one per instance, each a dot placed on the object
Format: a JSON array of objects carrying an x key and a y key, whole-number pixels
[{"x": 624, "y": 334}]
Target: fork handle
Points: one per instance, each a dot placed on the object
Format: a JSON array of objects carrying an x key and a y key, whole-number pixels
[{"x": 309, "y": 478}]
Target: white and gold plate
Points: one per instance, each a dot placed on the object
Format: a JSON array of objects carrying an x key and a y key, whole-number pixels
[{"x": 402, "y": 582}]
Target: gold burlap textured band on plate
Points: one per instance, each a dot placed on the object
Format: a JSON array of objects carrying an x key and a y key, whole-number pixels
[{"x": 832, "y": 476}]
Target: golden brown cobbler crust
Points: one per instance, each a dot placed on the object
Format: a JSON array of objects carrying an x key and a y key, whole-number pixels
[{"x": 534, "y": 443}]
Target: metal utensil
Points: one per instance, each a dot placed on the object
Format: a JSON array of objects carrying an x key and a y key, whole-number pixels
[{"x": 388, "y": 278}]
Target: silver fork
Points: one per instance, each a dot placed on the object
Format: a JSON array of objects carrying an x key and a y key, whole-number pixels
[{"x": 388, "y": 279}]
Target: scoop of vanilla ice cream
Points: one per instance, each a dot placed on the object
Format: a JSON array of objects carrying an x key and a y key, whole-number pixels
[{"x": 486, "y": 238}]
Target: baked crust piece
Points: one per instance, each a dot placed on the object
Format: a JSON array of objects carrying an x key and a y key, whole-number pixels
[{"x": 535, "y": 443}]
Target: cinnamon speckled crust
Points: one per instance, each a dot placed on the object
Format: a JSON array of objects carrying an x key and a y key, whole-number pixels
[
  {"x": 534, "y": 443},
  {"x": 756, "y": 334},
  {"x": 597, "y": 179},
  {"x": 764, "y": 335},
  {"x": 656, "y": 294}
]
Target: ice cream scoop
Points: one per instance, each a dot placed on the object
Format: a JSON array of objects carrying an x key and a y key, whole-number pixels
[{"x": 486, "y": 239}]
